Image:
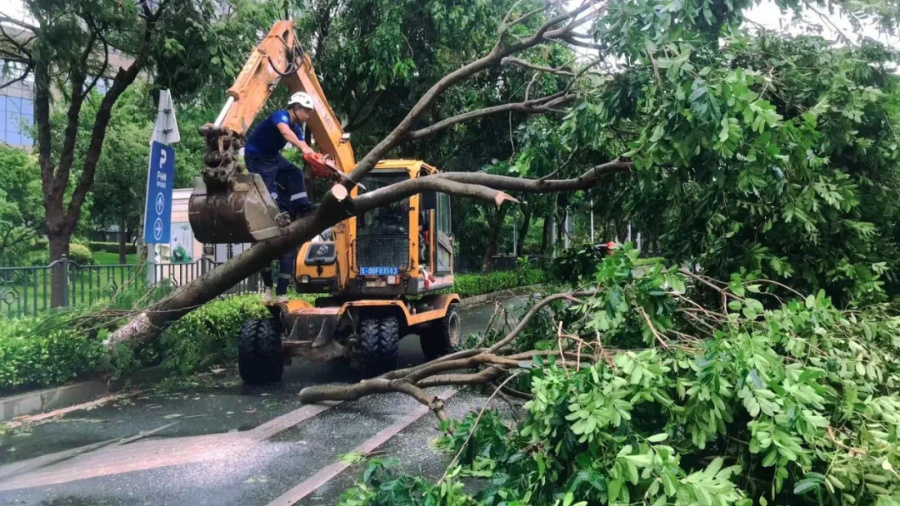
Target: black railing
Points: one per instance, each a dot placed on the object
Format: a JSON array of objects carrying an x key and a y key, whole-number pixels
[{"x": 27, "y": 290}]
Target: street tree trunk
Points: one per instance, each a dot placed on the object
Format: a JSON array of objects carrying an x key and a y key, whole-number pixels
[
  {"x": 59, "y": 249},
  {"x": 123, "y": 236},
  {"x": 491, "y": 249},
  {"x": 523, "y": 230},
  {"x": 545, "y": 235}
]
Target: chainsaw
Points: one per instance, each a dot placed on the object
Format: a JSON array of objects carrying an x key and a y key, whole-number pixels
[{"x": 323, "y": 166}]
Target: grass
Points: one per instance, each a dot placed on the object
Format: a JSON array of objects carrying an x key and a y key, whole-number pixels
[{"x": 107, "y": 258}]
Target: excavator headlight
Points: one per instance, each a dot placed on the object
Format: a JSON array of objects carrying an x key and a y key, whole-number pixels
[
  {"x": 304, "y": 279},
  {"x": 392, "y": 280}
]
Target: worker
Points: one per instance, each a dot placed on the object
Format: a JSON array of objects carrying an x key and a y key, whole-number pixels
[{"x": 283, "y": 179}]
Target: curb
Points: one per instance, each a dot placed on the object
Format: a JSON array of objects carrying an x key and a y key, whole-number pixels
[{"x": 59, "y": 397}]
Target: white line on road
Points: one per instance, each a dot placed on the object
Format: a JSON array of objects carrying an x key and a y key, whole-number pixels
[{"x": 309, "y": 486}]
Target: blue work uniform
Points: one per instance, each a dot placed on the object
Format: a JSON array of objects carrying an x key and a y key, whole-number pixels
[
  {"x": 262, "y": 155},
  {"x": 283, "y": 179}
]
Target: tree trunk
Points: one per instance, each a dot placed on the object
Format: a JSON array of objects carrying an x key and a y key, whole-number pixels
[
  {"x": 545, "y": 236},
  {"x": 59, "y": 248},
  {"x": 123, "y": 259},
  {"x": 491, "y": 249},
  {"x": 523, "y": 230}
]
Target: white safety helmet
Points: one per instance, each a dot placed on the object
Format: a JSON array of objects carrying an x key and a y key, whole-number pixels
[{"x": 302, "y": 99}]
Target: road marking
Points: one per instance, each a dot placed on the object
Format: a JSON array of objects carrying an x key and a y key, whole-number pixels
[
  {"x": 276, "y": 425},
  {"x": 104, "y": 460},
  {"x": 309, "y": 486}
]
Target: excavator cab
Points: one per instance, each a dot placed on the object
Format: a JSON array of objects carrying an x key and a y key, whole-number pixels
[{"x": 379, "y": 274}]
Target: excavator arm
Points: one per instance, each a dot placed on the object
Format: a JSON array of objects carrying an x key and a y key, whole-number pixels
[{"x": 227, "y": 204}]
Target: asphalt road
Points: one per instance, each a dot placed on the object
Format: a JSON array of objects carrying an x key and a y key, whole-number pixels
[{"x": 216, "y": 441}]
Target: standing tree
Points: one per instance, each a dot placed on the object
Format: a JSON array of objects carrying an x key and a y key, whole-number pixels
[
  {"x": 68, "y": 46},
  {"x": 118, "y": 194}
]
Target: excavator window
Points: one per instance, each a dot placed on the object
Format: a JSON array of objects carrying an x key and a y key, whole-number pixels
[{"x": 386, "y": 221}]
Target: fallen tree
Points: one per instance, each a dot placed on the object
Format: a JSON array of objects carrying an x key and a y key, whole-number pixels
[
  {"x": 667, "y": 387},
  {"x": 337, "y": 205}
]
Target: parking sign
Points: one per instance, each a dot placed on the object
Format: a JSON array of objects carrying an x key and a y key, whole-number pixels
[{"x": 160, "y": 181}]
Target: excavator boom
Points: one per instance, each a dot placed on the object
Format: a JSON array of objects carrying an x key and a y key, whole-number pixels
[{"x": 227, "y": 204}]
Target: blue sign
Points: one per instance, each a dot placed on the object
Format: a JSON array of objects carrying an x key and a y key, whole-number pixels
[
  {"x": 378, "y": 271},
  {"x": 160, "y": 180}
]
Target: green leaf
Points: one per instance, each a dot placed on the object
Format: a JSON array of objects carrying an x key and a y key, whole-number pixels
[
  {"x": 805, "y": 485},
  {"x": 658, "y": 438}
]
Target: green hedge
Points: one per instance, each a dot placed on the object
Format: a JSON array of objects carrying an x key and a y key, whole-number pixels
[
  {"x": 209, "y": 335},
  {"x": 38, "y": 352},
  {"x": 112, "y": 247},
  {"x": 469, "y": 285}
]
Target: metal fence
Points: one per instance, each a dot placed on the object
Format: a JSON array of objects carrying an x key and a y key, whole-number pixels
[{"x": 27, "y": 290}]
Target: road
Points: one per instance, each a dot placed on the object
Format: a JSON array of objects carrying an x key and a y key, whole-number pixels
[{"x": 218, "y": 442}]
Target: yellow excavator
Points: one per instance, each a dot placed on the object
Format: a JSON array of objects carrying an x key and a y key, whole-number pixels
[{"x": 379, "y": 273}]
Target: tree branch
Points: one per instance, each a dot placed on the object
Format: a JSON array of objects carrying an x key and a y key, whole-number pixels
[
  {"x": 580, "y": 43},
  {"x": 21, "y": 78},
  {"x": 529, "y": 106},
  {"x": 409, "y": 187},
  {"x": 493, "y": 58},
  {"x": 522, "y": 63},
  {"x": 509, "y": 183}
]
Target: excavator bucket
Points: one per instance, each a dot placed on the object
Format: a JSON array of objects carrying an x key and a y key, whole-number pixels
[{"x": 239, "y": 211}]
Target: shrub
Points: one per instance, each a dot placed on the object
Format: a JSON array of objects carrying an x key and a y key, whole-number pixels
[
  {"x": 80, "y": 254},
  {"x": 469, "y": 285},
  {"x": 209, "y": 335},
  {"x": 42, "y": 351}
]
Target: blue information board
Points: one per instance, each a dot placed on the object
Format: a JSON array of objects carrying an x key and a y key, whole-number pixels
[{"x": 158, "y": 214}]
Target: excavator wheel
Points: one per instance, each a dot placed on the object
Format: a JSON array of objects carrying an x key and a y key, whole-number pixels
[
  {"x": 442, "y": 336},
  {"x": 379, "y": 343},
  {"x": 259, "y": 352}
]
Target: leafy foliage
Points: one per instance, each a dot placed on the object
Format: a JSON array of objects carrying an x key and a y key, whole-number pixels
[
  {"x": 746, "y": 157},
  {"x": 576, "y": 263},
  {"x": 40, "y": 351},
  {"x": 209, "y": 335},
  {"x": 20, "y": 204},
  {"x": 774, "y": 402}
]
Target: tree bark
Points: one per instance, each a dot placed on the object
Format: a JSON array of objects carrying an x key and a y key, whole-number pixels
[
  {"x": 527, "y": 211},
  {"x": 59, "y": 247},
  {"x": 491, "y": 248},
  {"x": 123, "y": 259}
]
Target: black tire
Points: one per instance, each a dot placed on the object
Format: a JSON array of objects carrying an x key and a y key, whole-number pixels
[
  {"x": 259, "y": 352},
  {"x": 443, "y": 336},
  {"x": 379, "y": 345}
]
